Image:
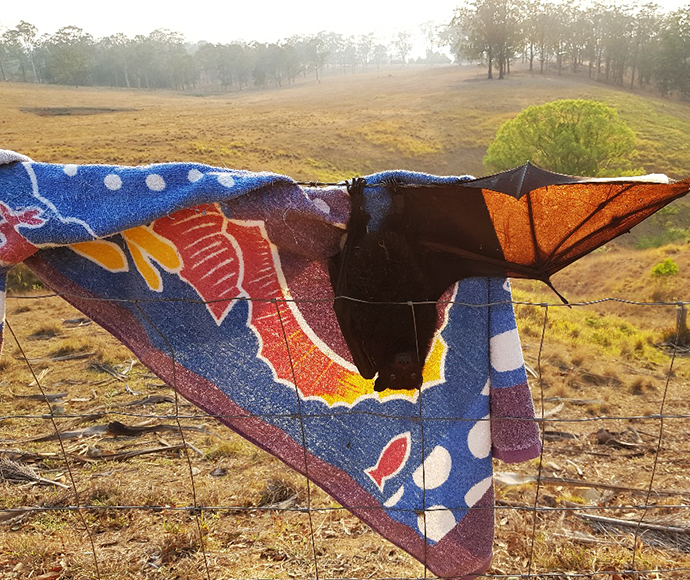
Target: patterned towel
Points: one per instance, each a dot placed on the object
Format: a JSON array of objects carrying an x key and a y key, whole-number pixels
[{"x": 218, "y": 281}]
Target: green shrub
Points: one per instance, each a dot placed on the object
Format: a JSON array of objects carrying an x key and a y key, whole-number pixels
[
  {"x": 666, "y": 268},
  {"x": 20, "y": 280}
]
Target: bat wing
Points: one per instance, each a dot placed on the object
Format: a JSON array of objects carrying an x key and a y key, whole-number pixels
[{"x": 526, "y": 223}]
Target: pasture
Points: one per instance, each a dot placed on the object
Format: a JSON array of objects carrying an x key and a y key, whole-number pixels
[{"x": 604, "y": 369}]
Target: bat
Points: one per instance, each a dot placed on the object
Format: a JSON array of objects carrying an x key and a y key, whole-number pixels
[
  {"x": 381, "y": 272},
  {"x": 522, "y": 223}
]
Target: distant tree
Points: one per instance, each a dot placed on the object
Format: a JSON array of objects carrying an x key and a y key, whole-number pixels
[
  {"x": 559, "y": 31},
  {"x": 316, "y": 52},
  {"x": 331, "y": 47},
  {"x": 673, "y": 63},
  {"x": 533, "y": 34},
  {"x": 70, "y": 52},
  {"x": 208, "y": 59},
  {"x": 576, "y": 137},
  {"x": 380, "y": 55},
  {"x": 112, "y": 60},
  {"x": 20, "y": 44},
  {"x": 173, "y": 66},
  {"x": 471, "y": 33},
  {"x": 403, "y": 44},
  {"x": 349, "y": 54},
  {"x": 365, "y": 48},
  {"x": 648, "y": 21},
  {"x": 3, "y": 57},
  {"x": 487, "y": 30},
  {"x": 293, "y": 65},
  {"x": 432, "y": 36},
  {"x": 618, "y": 26}
]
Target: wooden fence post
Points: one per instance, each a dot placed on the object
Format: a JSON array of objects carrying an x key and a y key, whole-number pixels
[{"x": 681, "y": 324}]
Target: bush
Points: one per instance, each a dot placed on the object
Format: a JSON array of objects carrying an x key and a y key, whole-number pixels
[
  {"x": 666, "y": 268},
  {"x": 572, "y": 136},
  {"x": 21, "y": 280}
]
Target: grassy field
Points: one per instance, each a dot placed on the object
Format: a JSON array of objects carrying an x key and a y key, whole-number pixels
[
  {"x": 604, "y": 370},
  {"x": 432, "y": 119}
]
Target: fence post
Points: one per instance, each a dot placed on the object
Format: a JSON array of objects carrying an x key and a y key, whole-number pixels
[{"x": 681, "y": 324}]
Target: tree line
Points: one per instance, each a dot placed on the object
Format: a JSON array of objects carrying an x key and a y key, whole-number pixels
[
  {"x": 164, "y": 59},
  {"x": 635, "y": 43}
]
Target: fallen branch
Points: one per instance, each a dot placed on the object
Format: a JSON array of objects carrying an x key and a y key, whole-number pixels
[
  {"x": 122, "y": 455},
  {"x": 152, "y": 400},
  {"x": 507, "y": 478},
  {"x": 50, "y": 397},
  {"x": 108, "y": 369},
  {"x": 550, "y": 435},
  {"x": 634, "y": 524},
  {"x": 17, "y": 473},
  {"x": 579, "y": 402},
  {"x": 76, "y": 322},
  {"x": 115, "y": 429},
  {"x": 74, "y": 356}
]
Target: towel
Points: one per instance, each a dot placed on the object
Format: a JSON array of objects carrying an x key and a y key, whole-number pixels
[{"x": 217, "y": 279}]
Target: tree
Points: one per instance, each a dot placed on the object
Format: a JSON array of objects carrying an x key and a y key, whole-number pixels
[
  {"x": 22, "y": 41},
  {"x": 111, "y": 61},
  {"x": 365, "y": 48},
  {"x": 3, "y": 56},
  {"x": 71, "y": 52},
  {"x": 673, "y": 62},
  {"x": 487, "y": 30},
  {"x": 646, "y": 38},
  {"x": 317, "y": 53},
  {"x": 403, "y": 44},
  {"x": 576, "y": 137},
  {"x": 380, "y": 55}
]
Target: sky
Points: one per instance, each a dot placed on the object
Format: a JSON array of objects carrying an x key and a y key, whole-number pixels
[
  {"x": 223, "y": 21},
  {"x": 228, "y": 20}
]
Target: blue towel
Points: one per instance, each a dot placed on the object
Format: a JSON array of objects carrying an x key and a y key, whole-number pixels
[{"x": 217, "y": 280}]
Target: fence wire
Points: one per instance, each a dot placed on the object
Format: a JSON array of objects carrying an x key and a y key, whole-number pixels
[{"x": 650, "y": 538}]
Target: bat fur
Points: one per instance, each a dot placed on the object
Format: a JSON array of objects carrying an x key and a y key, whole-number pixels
[{"x": 386, "y": 271}]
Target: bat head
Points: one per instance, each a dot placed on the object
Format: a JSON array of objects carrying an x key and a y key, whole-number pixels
[{"x": 404, "y": 371}]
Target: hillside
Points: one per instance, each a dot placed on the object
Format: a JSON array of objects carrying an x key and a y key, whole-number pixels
[
  {"x": 434, "y": 119},
  {"x": 438, "y": 120}
]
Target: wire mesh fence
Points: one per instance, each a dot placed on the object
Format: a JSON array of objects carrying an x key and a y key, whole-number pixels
[{"x": 154, "y": 487}]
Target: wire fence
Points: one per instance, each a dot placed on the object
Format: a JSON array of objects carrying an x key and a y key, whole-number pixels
[{"x": 610, "y": 503}]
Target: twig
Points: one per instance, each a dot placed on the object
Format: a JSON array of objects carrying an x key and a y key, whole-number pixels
[
  {"x": 122, "y": 455},
  {"x": 152, "y": 400}
]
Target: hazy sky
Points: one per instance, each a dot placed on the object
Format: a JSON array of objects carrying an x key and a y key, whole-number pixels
[{"x": 228, "y": 20}]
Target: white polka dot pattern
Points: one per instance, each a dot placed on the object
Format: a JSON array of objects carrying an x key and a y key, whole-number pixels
[{"x": 435, "y": 470}]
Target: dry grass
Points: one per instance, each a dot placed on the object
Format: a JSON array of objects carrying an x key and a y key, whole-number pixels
[
  {"x": 426, "y": 119},
  {"x": 599, "y": 364}
]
